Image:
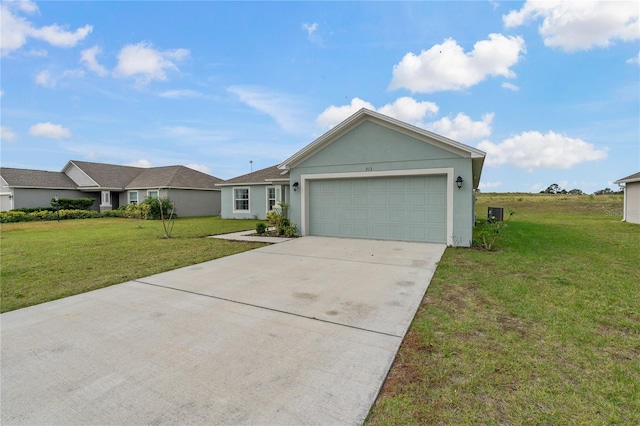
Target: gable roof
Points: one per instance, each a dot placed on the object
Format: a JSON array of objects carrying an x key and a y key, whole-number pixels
[
  {"x": 363, "y": 115},
  {"x": 26, "y": 178},
  {"x": 262, "y": 177},
  {"x": 631, "y": 178},
  {"x": 106, "y": 175},
  {"x": 173, "y": 177},
  {"x": 88, "y": 176}
]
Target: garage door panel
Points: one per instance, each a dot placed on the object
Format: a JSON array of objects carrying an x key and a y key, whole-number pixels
[{"x": 409, "y": 208}]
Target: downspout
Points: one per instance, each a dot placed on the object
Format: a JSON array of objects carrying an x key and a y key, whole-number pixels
[{"x": 624, "y": 201}]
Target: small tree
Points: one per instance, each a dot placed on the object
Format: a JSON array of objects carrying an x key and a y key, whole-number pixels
[
  {"x": 167, "y": 218},
  {"x": 487, "y": 234}
]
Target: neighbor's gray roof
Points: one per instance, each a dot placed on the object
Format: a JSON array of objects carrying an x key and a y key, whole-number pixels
[
  {"x": 259, "y": 176},
  {"x": 109, "y": 175},
  {"x": 26, "y": 178},
  {"x": 173, "y": 177},
  {"x": 631, "y": 178}
]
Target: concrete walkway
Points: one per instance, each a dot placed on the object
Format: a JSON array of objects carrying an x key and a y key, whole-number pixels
[
  {"x": 302, "y": 332},
  {"x": 250, "y": 236}
]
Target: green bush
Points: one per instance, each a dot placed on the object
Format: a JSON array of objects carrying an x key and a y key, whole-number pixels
[
  {"x": 114, "y": 213},
  {"x": 18, "y": 216},
  {"x": 261, "y": 228},
  {"x": 72, "y": 203},
  {"x": 154, "y": 207},
  {"x": 278, "y": 219},
  {"x": 33, "y": 209},
  {"x": 14, "y": 216}
]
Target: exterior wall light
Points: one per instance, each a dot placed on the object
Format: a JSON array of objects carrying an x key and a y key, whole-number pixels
[
  {"x": 295, "y": 186},
  {"x": 459, "y": 182}
]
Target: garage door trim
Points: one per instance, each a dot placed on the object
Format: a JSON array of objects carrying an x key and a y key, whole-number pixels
[{"x": 305, "y": 178}]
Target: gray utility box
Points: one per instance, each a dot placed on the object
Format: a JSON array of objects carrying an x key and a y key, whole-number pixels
[{"x": 495, "y": 214}]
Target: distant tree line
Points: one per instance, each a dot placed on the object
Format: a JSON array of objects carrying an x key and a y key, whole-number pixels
[{"x": 554, "y": 188}]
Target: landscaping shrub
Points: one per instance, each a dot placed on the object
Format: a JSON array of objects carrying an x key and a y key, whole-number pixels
[
  {"x": 154, "y": 207},
  {"x": 72, "y": 203},
  {"x": 261, "y": 228},
  {"x": 19, "y": 216},
  {"x": 33, "y": 209},
  {"x": 14, "y": 216},
  {"x": 278, "y": 219}
]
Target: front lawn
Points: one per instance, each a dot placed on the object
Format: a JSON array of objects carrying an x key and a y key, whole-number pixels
[
  {"x": 43, "y": 261},
  {"x": 545, "y": 330}
]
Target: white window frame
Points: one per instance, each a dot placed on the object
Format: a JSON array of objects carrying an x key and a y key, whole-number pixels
[
  {"x": 157, "y": 191},
  {"x": 235, "y": 210},
  {"x": 130, "y": 201},
  {"x": 275, "y": 197}
]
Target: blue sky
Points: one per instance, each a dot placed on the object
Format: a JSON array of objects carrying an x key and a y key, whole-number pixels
[{"x": 549, "y": 90}]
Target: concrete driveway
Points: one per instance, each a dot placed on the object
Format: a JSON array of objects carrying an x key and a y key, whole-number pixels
[{"x": 301, "y": 332}]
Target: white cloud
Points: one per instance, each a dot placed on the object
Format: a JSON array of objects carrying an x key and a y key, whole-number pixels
[
  {"x": 16, "y": 30},
  {"x": 532, "y": 150},
  {"x": 312, "y": 35},
  {"x": 405, "y": 109},
  {"x": 462, "y": 128},
  {"x": 634, "y": 60},
  {"x": 6, "y": 134},
  {"x": 46, "y": 79},
  {"x": 88, "y": 58},
  {"x": 409, "y": 110},
  {"x": 146, "y": 64},
  {"x": 510, "y": 86},
  {"x": 447, "y": 67},
  {"x": 49, "y": 130},
  {"x": 281, "y": 107},
  {"x": 145, "y": 164},
  {"x": 199, "y": 167},
  {"x": 579, "y": 25},
  {"x": 335, "y": 114},
  {"x": 181, "y": 93},
  {"x": 487, "y": 185}
]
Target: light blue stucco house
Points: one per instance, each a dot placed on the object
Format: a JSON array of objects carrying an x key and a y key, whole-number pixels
[
  {"x": 371, "y": 176},
  {"x": 254, "y": 194}
]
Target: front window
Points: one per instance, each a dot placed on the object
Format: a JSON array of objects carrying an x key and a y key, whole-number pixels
[
  {"x": 271, "y": 198},
  {"x": 133, "y": 197},
  {"x": 241, "y": 199},
  {"x": 152, "y": 194}
]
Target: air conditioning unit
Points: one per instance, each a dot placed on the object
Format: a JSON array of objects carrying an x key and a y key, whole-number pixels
[{"x": 495, "y": 214}]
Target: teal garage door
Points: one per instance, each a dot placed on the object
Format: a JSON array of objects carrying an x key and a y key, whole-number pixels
[{"x": 406, "y": 208}]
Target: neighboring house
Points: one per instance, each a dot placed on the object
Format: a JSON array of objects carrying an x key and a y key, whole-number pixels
[
  {"x": 254, "y": 194},
  {"x": 194, "y": 192},
  {"x": 373, "y": 176},
  {"x": 631, "y": 210}
]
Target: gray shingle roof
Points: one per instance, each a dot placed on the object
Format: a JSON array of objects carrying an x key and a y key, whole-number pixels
[
  {"x": 113, "y": 176},
  {"x": 26, "y": 178},
  {"x": 631, "y": 178},
  {"x": 173, "y": 177},
  {"x": 109, "y": 175},
  {"x": 259, "y": 176}
]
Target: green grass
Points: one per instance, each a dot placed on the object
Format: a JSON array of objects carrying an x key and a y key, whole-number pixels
[
  {"x": 544, "y": 330},
  {"x": 43, "y": 261}
]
